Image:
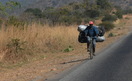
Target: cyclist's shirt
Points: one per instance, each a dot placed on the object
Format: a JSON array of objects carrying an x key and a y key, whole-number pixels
[{"x": 91, "y": 31}]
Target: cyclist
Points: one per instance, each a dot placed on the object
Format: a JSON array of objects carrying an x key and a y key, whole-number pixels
[{"x": 91, "y": 31}]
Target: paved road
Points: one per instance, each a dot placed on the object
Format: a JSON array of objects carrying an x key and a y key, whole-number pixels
[{"x": 113, "y": 64}]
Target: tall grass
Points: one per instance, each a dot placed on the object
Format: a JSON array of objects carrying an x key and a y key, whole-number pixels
[{"x": 37, "y": 38}]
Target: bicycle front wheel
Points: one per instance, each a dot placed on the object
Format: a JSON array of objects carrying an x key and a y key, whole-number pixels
[{"x": 91, "y": 50}]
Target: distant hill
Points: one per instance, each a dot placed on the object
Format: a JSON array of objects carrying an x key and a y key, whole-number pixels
[
  {"x": 52, "y": 3},
  {"x": 57, "y": 3},
  {"x": 42, "y": 4},
  {"x": 122, "y": 3},
  {"x": 24, "y": 5}
]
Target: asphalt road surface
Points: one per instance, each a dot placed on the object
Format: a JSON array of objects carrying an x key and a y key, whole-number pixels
[{"x": 114, "y": 63}]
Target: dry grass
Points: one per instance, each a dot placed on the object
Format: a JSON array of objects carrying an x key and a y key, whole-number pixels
[
  {"x": 39, "y": 39},
  {"x": 45, "y": 66}
]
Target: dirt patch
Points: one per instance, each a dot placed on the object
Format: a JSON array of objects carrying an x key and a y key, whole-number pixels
[{"x": 55, "y": 63}]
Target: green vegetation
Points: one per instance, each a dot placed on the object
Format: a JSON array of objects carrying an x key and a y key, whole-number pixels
[
  {"x": 108, "y": 25},
  {"x": 36, "y": 12},
  {"x": 75, "y": 13},
  {"x": 13, "y": 21},
  {"x": 111, "y": 35},
  {"x": 44, "y": 38},
  {"x": 104, "y": 4},
  {"x": 17, "y": 51},
  {"x": 127, "y": 11},
  {"x": 69, "y": 49},
  {"x": 8, "y": 5},
  {"x": 16, "y": 46},
  {"x": 110, "y": 18},
  {"x": 119, "y": 14}
]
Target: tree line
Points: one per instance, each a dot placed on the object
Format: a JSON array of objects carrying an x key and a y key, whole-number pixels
[{"x": 75, "y": 13}]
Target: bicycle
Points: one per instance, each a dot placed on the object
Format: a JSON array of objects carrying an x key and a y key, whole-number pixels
[{"x": 90, "y": 47}]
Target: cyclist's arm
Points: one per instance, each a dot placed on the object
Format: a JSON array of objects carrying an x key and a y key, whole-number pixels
[{"x": 96, "y": 31}]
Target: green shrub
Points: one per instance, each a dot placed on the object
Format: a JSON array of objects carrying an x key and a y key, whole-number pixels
[
  {"x": 35, "y": 11},
  {"x": 1, "y": 22},
  {"x": 16, "y": 45},
  {"x": 92, "y": 13},
  {"x": 69, "y": 49},
  {"x": 127, "y": 11},
  {"x": 86, "y": 20},
  {"x": 104, "y": 4},
  {"x": 12, "y": 20},
  {"x": 111, "y": 35},
  {"x": 110, "y": 18},
  {"x": 17, "y": 50},
  {"x": 119, "y": 14},
  {"x": 107, "y": 25}
]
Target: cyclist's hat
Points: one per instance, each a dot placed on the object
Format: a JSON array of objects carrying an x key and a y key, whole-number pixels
[{"x": 91, "y": 22}]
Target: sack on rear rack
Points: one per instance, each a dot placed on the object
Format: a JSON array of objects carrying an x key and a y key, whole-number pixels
[
  {"x": 101, "y": 30},
  {"x": 81, "y": 28},
  {"x": 82, "y": 38},
  {"x": 100, "y": 39}
]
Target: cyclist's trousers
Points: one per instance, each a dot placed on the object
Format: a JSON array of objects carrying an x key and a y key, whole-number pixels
[{"x": 94, "y": 42}]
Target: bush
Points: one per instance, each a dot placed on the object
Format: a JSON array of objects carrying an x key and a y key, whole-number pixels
[
  {"x": 111, "y": 35},
  {"x": 92, "y": 13},
  {"x": 66, "y": 20},
  {"x": 12, "y": 20},
  {"x": 16, "y": 45},
  {"x": 16, "y": 51},
  {"x": 36, "y": 12},
  {"x": 110, "y": 18},
  {"x": 127, "y": 11},
  {"x": 69, "y": 20},
  {"x": 119, "y": 14},
  {"x": 108, "y": 25},
  {"x": 104, "y": 4},
  {"x": 1, "y": 22},
  {"x": 69, "y": 49}
]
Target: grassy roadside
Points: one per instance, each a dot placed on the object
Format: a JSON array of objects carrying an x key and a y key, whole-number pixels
[
  {"x": 29, "y": 43},
  {"x": 48, "y": 64},
  {"x": 17, "y": 43}
]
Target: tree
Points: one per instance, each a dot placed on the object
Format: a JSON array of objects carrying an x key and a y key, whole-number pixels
[
  {"x": 104, "y": 4},
  {"x": 110, "y": 18},
  {"x": 8, "y": 5},
  {"x": 36, "y": 12},
  {"x": 119, "y": 14},
  {"x": 86, "y": 2},
  {"x": 91, "y": 13},
  {"x": 107, "y": 25},
  {"x": 127, "y": 11},
  {"x": 54, "y": 17}
]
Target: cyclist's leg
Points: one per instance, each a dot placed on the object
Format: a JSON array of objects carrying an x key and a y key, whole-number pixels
[
  {"x": 88, "y": 41},
  {"x": 94, "y": 46},
  {"x": 87, "y": 47}
]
